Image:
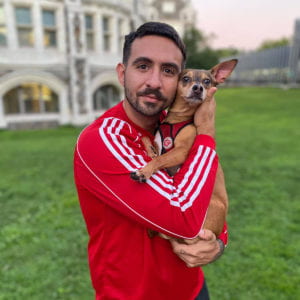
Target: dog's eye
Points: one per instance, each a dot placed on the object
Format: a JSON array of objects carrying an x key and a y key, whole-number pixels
[
  {"x": 186, "y": 78},
  {"x": 206, "y": 81}
]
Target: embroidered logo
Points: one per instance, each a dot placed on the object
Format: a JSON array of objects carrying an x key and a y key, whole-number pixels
[{"x": 167, "y": 143}]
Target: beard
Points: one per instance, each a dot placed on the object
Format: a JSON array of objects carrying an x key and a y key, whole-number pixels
[{"x": 148, "y": 109}]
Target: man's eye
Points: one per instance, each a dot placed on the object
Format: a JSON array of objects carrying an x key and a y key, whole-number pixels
[
  {"x": 170, "y": 71},
  {"x": 206, "y": 81},
  {"x": 142, "y": 67}
]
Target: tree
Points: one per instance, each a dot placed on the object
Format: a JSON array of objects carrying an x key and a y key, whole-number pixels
[
  {"x": 226, "y": 52},
  {"x": 269, "y": 44},
  {"x": 199, "y": 54}
]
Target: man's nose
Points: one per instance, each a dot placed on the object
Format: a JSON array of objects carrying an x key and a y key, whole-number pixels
[{"x": 154, "y": 79}]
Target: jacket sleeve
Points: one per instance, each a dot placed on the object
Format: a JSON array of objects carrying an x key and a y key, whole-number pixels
[
  {"x": 106, "y": 154},
  {"x": 224, "y": 235}
]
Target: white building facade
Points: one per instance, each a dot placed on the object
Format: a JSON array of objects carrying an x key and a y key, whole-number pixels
[{"x": 58, "y": 57}]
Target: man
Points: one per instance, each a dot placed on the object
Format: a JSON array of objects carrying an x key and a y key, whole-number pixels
[{"x": 125, "y": 263}]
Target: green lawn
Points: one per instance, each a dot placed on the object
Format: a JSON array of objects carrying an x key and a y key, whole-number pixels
[{"x": 43, "y": 237}]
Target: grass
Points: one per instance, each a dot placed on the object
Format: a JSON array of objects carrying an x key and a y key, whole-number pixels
[
  {"x": 258, "y": 143},
  {"x": 43, "y": 237}
]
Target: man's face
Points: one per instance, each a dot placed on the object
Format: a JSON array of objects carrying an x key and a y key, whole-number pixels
[{"x": 151, "y": 74}]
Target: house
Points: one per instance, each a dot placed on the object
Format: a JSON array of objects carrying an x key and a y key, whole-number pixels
[{"x": 58, "y": 57}]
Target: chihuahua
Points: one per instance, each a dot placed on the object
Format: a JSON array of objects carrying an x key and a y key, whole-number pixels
[{"x": 173, "y": 149}]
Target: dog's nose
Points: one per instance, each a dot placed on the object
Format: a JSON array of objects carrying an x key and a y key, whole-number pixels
[{"x": 197, "y": 88}]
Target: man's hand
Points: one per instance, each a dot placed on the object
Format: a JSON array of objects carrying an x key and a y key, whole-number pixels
[
  {"x": 204, "y": 118},
  {"x": 201, "y": 253}
]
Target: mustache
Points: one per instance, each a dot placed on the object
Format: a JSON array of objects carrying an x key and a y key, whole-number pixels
[{"x": 149, "y": 91}]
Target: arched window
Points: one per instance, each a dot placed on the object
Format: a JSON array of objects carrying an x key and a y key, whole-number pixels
[
  {"x": 30, "y": 98},
  {"x": 105, "y": 97}
]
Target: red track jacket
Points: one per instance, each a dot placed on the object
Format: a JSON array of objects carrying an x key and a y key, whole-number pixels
[{"x": 125, "y": 264}]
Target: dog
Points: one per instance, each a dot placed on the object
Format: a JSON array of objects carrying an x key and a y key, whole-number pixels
[{"x": 172, "y": 150}]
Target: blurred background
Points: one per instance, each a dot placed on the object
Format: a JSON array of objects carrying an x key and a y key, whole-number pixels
[
  {"x": 57, "y": 58},
  {"x": 57, "y": 74}
]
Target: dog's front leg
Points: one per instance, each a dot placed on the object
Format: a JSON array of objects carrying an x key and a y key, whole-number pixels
[
  {"x": 146, "y": 172},
  {"x": 174, "y": 157},
  {"x": 151, "y": 149},
  {"x": 152, "y": 152}
]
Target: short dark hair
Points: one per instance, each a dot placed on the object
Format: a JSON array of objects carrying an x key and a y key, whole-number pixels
[{"x": 153, "y": 28}]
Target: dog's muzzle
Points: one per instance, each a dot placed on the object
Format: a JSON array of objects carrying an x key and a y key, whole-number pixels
[
  {"x": 197, "y": 88},
  {"x": 196, "y": 93}
]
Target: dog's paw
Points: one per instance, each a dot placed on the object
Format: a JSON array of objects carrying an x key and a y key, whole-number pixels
[{"x": 138, "y": 177}]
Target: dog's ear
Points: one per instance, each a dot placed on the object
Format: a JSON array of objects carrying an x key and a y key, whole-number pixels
[{"x": 222, "y": 71}]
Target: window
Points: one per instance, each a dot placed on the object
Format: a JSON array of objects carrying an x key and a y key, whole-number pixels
[
  {"x": 49, "y": 28},
  {"x": 3, "y": 33},
  {"x": 106, "y": 25},
  {"x": 168, "y": 7},
  {"x": 24, "y": 26},
  {"x": 106, "y": 97},
  {"x": 89, "y": 29},
  {"x": 30, "y": 98}
]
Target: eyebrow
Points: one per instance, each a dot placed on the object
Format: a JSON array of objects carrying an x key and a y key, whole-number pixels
[
  {"x": 142, "y": 59},
  {"x": 172, "y": 65},
  {"x": 148, "y": 60}
]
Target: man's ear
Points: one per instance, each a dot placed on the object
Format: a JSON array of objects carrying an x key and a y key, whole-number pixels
[
  {"x": 120, "y": 68},
  {"x": 223, "y": 70}
]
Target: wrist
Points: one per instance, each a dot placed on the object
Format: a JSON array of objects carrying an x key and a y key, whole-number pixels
[
  {"x": 205, "y": 131},
  {"x": 221, "y": 247}
]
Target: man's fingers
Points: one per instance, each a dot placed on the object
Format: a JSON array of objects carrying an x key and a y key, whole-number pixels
[
  {"x": 211, "y": 92},
  {"x": 178, "y": 248},
  {"x": 207, "y": 235}
]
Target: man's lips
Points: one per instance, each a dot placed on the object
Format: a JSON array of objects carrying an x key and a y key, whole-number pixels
[
  {"x": 152, "y": 95},
  {"x": 151, "y": 98}
]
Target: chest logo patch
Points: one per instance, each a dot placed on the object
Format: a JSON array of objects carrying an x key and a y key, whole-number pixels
[{"x": 167, "y": 143}]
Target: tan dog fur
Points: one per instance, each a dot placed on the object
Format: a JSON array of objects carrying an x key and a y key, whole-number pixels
[{"x": 191, "y": 92}]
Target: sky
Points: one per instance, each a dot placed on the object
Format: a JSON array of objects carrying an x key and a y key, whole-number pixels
[{"x": 246, "y": 24}]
